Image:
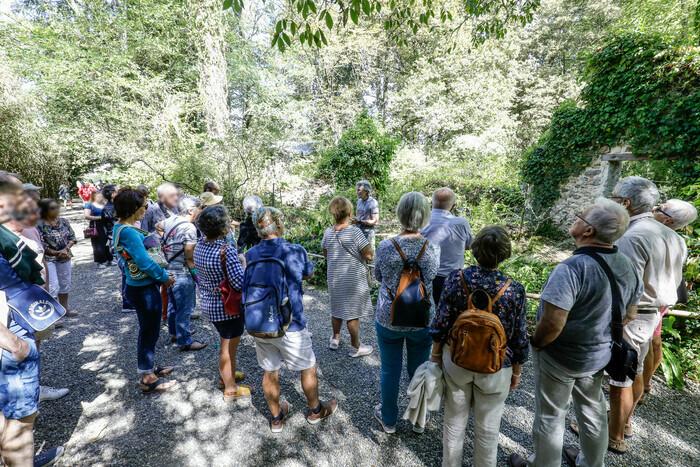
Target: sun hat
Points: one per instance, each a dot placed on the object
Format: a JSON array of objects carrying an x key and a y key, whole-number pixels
[{"x": 209, "y": 199}]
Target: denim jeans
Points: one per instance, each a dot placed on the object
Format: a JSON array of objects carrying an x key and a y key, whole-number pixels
[
  {"x": 181, "y": 301},
  {"x": 126, "y": 304},
  {"x": 146, "y": 300},
  {"x": 391, "y": 343}
]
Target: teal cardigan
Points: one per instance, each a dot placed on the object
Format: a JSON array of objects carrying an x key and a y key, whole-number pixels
[{"x": 131, "y": 239}]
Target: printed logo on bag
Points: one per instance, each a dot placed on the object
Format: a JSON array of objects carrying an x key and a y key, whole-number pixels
[{"x": 41, "y": 310}]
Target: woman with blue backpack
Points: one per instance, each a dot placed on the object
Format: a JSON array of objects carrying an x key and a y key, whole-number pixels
[{"x": 143, "y": 278}]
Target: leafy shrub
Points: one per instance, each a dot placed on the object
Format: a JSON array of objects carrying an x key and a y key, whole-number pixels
[{"x": 361, "y": 153}]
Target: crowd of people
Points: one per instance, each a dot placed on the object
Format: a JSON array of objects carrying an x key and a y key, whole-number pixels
[{"x": 600, "y": 310}]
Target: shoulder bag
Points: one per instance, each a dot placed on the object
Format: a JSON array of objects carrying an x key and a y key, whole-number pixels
[
  {"x": 371, "y": 281},
  {"x": 229, "y": 295}
]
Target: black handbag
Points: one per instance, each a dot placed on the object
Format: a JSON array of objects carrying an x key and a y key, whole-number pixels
[{"x": 623, "y": 361}]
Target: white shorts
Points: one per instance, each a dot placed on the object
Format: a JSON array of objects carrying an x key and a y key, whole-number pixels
[
  {"x": 638, "y": 334},
  {"x": 59, "y": 277},
  {"x": 294, "y": 349}
]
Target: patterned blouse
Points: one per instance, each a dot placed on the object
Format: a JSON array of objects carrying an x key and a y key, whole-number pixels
[
  {"x": 207, "y": 260},
  {"x": 510, "y": 308},
  {"x": 56, "y": 237},
  {"x": 388, "y": 267}
]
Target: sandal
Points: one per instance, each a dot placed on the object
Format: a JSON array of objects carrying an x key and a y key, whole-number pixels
[
  {"x": 156, "y": 386},
  {"x": 161, "y": 371},
  {"x": 617, "y": 447},
  {"x": 573, "y": 426},
  {"x": 241, "y": 392},
  {"x": 240, "y": 376}
]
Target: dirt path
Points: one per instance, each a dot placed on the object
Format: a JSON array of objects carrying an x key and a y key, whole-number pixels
[{"x": 106, "y": 421}]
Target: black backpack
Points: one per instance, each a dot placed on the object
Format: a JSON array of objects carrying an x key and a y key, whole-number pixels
[{"x": 410, "y": 307}]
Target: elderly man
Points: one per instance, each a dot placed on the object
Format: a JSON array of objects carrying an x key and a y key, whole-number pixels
[
  {"x": 657, "y": 254},
  {"x": 19, "y": 365},
  {"x": 294, "y": 348},
  {"x": 179, "y": 239},
  {"x": 163, "y": 209},
  {"x": 367, "y": 212},
  {"x": 451, "y": 233},
  {"x": 572, "y": 341}
]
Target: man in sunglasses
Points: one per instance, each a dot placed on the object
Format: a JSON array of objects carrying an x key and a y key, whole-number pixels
[{"x": 658, "y": 254}]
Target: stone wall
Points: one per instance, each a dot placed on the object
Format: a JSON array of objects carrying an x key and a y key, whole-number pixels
[{"x": 581, "y": 190}]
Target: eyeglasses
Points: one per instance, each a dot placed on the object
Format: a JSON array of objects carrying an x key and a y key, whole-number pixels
[
  {"x": 584, "y": 220},
  {"x": 658, "y": 209}
]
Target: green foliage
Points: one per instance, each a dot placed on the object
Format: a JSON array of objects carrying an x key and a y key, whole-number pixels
[
  {"x": 671, "y": 363},
  {"x": 641, "y": 90},
  {"x": 362, "y": 153}
]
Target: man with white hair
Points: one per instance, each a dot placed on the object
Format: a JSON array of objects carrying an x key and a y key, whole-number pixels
[
  {"x": 163, "y": 209},
  {"x": 179, "y": 240},
  {"x": 657, "y": 254},
  {"x": 675, "y": 214},
  {"x": 451, "y": 233},
  {"x": 572, "y": 341},
  {"x": 294, "y": 349},
  {"x": 367, "y": 212}
]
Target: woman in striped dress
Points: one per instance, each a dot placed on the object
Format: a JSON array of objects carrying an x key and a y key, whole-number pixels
[
  {"x": 347, "y": 252},
  {"x": 214, "y": 223}
]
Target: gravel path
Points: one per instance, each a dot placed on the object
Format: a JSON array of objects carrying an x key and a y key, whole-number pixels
[{"x": 106, "y": 421}]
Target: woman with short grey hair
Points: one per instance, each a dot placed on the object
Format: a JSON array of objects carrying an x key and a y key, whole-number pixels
[
  {"x": 409, "y": 246},
  {"x": 268, "y": 221}
]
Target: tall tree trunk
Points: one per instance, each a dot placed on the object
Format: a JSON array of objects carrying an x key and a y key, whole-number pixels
[{"x": 209, "y": 37}]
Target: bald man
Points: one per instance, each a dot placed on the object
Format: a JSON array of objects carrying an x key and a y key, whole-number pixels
[{"x": 451, "y": 233}]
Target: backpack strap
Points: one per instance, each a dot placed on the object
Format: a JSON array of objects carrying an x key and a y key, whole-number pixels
[
  {"x": 422, "y": 251},
  {"x": 398, "y": 248},
  {"x": 501, "y": 291}
]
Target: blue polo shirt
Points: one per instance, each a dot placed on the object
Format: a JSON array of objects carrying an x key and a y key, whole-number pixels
[
  {"x": 453, "y": 235},
  {"x": 298, "y": 266}
]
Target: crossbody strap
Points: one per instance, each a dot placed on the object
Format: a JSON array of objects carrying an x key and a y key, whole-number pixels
[
  {"x": 167, "y": 235},
  {"x": 616, "y": 324},
  {"x": 347, "y": 249}
]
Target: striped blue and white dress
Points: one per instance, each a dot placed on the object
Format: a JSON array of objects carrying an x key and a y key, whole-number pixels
[
  {"x": 207, "y": 260},
  {"x": 347, "y": 273}
]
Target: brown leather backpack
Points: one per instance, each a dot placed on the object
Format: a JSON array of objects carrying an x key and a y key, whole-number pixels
[
  {"x": 410, "y": 307},
  {"x": 477, "y": 339}
]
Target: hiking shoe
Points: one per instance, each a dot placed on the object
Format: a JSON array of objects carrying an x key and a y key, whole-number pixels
[
  {"x": 325, "y": 410},
  {"x": 361, "y": 351},
  {"x": 516, "y": 460},
  {"x": 47, "y": 393},
  {"x": 570, "y": 455},
  {"x": 277, "y": 423},
  {"x": 48, "y": 457},
  {"x": 390, "y": 429},
  {"x": 333, "y": 343}
]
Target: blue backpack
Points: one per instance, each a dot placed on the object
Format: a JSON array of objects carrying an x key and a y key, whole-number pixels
[{"x": 266, "y": 307}]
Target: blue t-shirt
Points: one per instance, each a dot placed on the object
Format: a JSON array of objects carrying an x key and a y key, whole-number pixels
[{"x": 298, "y": 266}]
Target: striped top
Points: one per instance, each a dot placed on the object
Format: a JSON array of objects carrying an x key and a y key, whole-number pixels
[
  {"x": 347, "y": 273},
  {"x": 207, "y": 260}
]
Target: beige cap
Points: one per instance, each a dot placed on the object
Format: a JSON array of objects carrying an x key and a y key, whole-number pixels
[{"x": 209, "y": 199}]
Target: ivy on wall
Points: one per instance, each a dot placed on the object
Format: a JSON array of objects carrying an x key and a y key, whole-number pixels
[{"x": 641, "y": 90}]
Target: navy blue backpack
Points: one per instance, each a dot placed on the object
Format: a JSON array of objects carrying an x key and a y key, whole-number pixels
[{"x": 266, "y": 307}]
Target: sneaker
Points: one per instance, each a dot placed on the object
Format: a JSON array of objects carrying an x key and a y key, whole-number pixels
[
  {"x": 47, "y": 393},
  {"x": 128, "y": 310},
  {"x": 277, "y": 424},
  {"x": 361, "y": 351},
  {"x": 71, "y": 314},
  {"x": 333, "y": 343},
  {"x": 378, "y": 415},
  {"x": 326, "y": 409},
  {"x": 48, "y": 457},
  {"x": 420, "y": 429}
]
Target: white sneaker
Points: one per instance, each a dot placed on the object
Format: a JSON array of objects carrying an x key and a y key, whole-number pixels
[
  {"x": 333, "y": 343},
  {"x": 361, "y": 351},
  {"x": 47, "y": 393},
  {"x": 378, "y": 415}
]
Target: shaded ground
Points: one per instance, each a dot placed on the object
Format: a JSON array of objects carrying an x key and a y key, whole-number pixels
[{"x": 106, "y": 421}]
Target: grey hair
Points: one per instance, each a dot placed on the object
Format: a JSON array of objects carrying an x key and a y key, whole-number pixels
[
  {"x": 682, "y": 213},
  {"x": 413, "y": 211},
  {"x": 251, "y": 203},
  {"x": 268, "y": 221},
  {"x": 642, "y": 193},
  {"x": 163, "y": 187},
  {"x": 187, "y": 203},
  {"x": 609, "y": 219},
  {"x": 365, "y": 185}
]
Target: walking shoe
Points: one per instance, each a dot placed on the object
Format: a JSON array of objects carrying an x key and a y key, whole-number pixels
[
  {"x": 277, "y": 423},
  {"x": 570, "y": 455},
  {"x": 333, "y": 343},
  {"x": 49, "y": 457},
  {"x": 361, "y": 351},
  {"x": 420, "y": 429},
  {"x": 71, "y": 314},
  {"x": 516, "y": 460},
  {"x": 391, "y": 429},
  {"x": 193, "y": 346},
  {"x": 323, "y": 411},
  {"x": 47, "y": 393}
]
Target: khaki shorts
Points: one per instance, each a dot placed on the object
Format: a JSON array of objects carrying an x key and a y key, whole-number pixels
[
  {"x": 638, "y": 334},
  {"x": 294, "y": 349}
]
